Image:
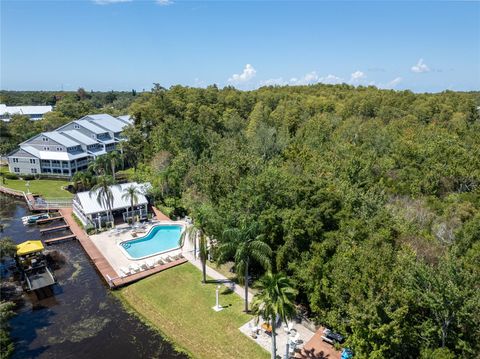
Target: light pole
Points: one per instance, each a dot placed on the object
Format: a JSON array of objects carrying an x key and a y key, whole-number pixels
[
  {"x": 217, "y": 306},
  {"x": 28, "y": 187}
]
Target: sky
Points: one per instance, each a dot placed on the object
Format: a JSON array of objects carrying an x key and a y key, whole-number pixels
[{"x": 131, "y": 44}]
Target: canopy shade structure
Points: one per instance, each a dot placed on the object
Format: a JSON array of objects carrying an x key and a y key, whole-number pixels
[{"x": 29, "y": 247}]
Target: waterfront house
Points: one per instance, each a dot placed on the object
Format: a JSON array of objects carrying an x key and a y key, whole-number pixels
[{"x": 69, "y": 148}]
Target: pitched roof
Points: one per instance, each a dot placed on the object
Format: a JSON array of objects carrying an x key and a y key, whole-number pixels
[
  {"x": 90, "y": 204},
  {"x": 61, "y": 139},
  {"x": 91, "y": 126},
  {"x": 108, "y": 122},
  {"x": 24, "y": 110},
  {"x": 80, "y": 137}
]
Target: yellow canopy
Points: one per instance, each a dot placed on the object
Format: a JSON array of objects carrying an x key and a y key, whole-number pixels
[{"x": 29, "y": 247}]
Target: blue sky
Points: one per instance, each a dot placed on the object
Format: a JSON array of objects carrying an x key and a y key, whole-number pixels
[{"x": 121, "y": 44}]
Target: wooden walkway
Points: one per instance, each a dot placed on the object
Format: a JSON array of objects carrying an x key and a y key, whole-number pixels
[
  {"x": 45, "y": 230},
  {"x": 316, "y": 348},
  {"x": 101, "y": 263},
  {"x": 160, "y": 216},
  {"x": 46, "y": 220},
  {"x": 60, "y": 239}
]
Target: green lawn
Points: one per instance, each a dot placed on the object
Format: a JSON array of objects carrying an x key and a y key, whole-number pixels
[
  {"x": 47, "y": 188},
  {"x": 180, "y": 306}
]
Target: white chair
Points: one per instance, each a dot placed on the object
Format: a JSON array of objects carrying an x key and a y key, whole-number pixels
[
  {"x": 125, "y": 271},
  {"x": 134, "y": 267},
  {"x": 150, "y": 263}
]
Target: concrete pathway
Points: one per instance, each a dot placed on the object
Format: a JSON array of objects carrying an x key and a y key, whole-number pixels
[{"x": 212, "y": 273}]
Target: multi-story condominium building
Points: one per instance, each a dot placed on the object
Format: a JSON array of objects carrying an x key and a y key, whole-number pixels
[
  {"x": 69, "y": 148},
  {"x": 33, "y": 112}
]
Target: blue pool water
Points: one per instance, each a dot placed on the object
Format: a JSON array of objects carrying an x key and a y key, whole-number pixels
[{"x": 159, "y": 239}]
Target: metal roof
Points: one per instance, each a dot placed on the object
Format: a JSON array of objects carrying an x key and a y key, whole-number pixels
[
  {"x": 108, "y": 122},
  {"x": 80, "y": 137},
  {"x": 24, "y": 110},
  {"x": 54, "y": 155},
  {"x": 61, "y": 139},
  {"x": 91, "y": 126},
  {"x": 90, "y": 205}
]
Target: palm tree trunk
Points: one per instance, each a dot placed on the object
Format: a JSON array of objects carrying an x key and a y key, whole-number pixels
[
  {"x": 204, "y": 269},
  {"x": 195, "y": 245},
  {"x": 274, "y": 340},
  {"x": 246, "y": 287},
  {"x": 113, "y": 170}
]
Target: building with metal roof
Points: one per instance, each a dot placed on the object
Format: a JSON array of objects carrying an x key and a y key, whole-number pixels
[
  {"x": 91, "y": 210},
  {"x": 33, "y": 112},
  {"x": 69, "y": 148}
]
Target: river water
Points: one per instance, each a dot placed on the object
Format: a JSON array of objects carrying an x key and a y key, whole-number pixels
[{"x": 83, "y": 319}]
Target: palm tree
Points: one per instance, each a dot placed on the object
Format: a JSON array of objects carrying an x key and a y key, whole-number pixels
[
  {"x": 99, "y": 165},
  {"x": 244, "y": 245},
  {"x": 82, "y": 178},
  {"x": 114, "y": 160},
  {"x": 104, "y": 192},
  {"x": 275, "y": 299},
  {"x": 197, "y": 232},
  {"x": 131, "y": 193}
]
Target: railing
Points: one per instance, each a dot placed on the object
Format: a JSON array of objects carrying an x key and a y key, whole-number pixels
[
  {"x": 13, "y": 192},
  {"x": 52, "y": 203}
]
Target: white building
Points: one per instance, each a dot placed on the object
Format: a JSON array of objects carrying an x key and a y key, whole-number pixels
[
  {"x": 69, "y": 148},
  {"x": 33, "y": 112},
  {"x": 88, "y": 209}
]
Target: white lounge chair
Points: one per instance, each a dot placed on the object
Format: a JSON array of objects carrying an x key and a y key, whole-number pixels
[
  {"x": 144, "y": 265},
  {"x": 125, "y": 271},
  {"x": 134, "y": 267},
  {"x": 150, "y": 263}
]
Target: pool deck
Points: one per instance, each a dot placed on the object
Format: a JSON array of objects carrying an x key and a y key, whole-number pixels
[{"x": 113, "y": 278}]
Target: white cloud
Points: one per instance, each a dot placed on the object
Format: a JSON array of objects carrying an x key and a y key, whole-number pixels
[
  {"x": 420, "y": 67},
  {"x": 247, "y": 74},
  {"x": 330, "y": 79},
  {"x": 272, "y": 82},
  {"x": 164, "y": 2},
  {"x": 307, "y": 79},
  {"x": 108, "y": 2},
  {"x": 394, "y": 82},
  {"x": 357, "y": 76}
]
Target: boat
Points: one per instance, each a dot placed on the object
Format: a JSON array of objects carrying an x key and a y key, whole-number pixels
[
  {"x": 33, "y": 265},
  {"x": 27, "y": 220}
]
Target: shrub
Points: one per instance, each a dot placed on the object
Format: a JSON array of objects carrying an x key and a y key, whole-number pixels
[
  {"x": 11, "y": 176},
  {"x": 28, "y": 177}
]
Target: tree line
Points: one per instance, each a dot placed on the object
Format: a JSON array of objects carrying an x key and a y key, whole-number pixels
[{"x": 368, "y": 200}]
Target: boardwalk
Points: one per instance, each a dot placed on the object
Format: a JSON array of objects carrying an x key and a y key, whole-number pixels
[
  {"x": 160, "y": 216},
  {"x": 57, "y": 228},
  {"x": 316, "y": 348},
  {"x": 60, "y": 239},
  {"x": 101, "y": 263}
]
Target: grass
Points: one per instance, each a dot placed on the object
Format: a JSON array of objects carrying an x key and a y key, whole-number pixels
[
  {"x": 177, "y": 304},
  {"x": 47, "y": 188}
]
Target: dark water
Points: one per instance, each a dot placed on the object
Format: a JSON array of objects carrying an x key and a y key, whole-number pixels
[{"x": 83, "y": 319}]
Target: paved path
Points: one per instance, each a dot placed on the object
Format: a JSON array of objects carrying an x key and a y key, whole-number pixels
[{"x": 212, "y": 273}]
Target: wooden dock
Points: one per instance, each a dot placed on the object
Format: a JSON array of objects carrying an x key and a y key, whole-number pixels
[
  {"x": 101, "y": 263},
  {"x": 46, "y": 220},
  {"x": 57, "y": 228},
  {"x": 60, "y": 239}
]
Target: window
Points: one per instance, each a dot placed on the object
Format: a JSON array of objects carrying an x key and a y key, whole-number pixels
[
  {"x": 75, "y": 126},
  {"x": 15, "y": 160},
  {"x": 45, "y": 148},
  {"x": 16, "y": 169},
  {"x": 59, "y": 148},
  {"x": 32, "y": 160},
  {"x": 34, "y": 170},
  {"x": 45, "y": 139}
]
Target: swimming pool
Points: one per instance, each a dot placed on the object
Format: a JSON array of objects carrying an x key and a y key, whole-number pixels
[{"x": 161, "y": 238}]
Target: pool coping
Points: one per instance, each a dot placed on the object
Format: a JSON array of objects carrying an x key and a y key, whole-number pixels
[{"x": 156, "y": 253}]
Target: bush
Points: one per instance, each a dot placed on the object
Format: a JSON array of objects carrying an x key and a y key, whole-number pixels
[
  {"x": 11, "y": 176},
  {"x": 90, "y": 229},
  {"x": 28, "y": 177}
]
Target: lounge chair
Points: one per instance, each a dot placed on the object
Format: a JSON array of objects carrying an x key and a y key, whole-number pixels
[
  {"x": 134, "y": 267},
  {"x": 125, "y": 271},
  {"x": 160, "y": 261},
  {"x": 168, "y": 259},
  {"x": 150, "y": 263},
  {"x": 144, "y": 265}
]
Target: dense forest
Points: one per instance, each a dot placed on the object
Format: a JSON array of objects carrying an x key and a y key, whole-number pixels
[
  {"x": 67, "y": 106},
  {"x": 368, "y": 198}
]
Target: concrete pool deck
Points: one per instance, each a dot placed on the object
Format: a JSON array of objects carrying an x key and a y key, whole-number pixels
[
  {"x": 108, "y": 243},
  {"x": 98, "y": 251}
]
